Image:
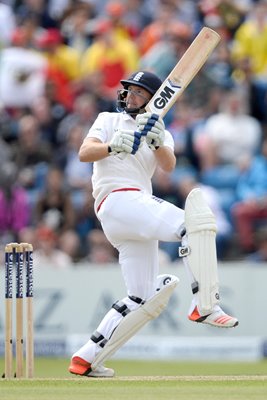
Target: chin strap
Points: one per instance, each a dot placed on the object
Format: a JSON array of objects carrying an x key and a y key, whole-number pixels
[{"x": 135, "y": 111}]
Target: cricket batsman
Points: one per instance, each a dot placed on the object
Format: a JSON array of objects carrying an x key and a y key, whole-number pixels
[{"x": 126, "y": 147}]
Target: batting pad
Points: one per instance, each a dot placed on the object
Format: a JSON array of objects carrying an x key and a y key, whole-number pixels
[
  {"x": 135, "y": 320},
  {"x": 202, "y": 259}
]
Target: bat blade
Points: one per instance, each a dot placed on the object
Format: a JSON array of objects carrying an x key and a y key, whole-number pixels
[{"x": 185, "y": 70}]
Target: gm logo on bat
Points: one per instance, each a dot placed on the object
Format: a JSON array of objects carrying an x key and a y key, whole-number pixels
[{"x": 165, "y": 96}]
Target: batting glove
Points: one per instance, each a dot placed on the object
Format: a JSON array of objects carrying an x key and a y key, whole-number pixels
[
  {"x": 125, "y": 141},
  {"x": 153, "y": 128}
]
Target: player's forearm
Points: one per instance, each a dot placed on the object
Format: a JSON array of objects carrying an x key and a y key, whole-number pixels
[
  {"x": 165, "y": 158},
  {"x": 91, "y": 151}
]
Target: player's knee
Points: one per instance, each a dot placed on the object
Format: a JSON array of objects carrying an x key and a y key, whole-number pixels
[{"x": 198, "y": 215}]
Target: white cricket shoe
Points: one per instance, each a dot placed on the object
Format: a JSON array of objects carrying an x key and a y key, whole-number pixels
[
  {"x": 217, "y": 318},
  {"x": 102, "y": 372},
  {"x": 79, "y": 366}
]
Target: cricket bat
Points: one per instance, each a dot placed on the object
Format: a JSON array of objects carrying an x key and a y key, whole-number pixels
[{"x": 183, "y": 73}]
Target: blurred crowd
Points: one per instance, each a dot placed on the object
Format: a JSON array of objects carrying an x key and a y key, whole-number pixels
[{"x": 61, "y": 62}]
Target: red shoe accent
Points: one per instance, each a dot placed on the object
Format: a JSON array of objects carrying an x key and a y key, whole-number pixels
[
  {"x": 223, "y": 319},
  {"x": 78, "y": 366},
  {"x": 195, "y": 315}
]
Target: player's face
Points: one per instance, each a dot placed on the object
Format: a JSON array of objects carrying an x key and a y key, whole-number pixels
[{"x": 137, "y": 96}]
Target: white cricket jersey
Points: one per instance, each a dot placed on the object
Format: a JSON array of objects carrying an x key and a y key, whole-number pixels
[{"x": 134, "y": 171}]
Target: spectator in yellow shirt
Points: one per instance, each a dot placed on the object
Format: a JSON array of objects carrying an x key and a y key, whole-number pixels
[
  {"x": 111, "y": 56},
  {"x": 249, "y": 52},
  {"x": 60, "y": 56},
  {"x": 250, "y": 41}
]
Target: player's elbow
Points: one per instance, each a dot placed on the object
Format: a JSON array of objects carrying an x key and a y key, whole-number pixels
[
  {"x": 82, "y": 155},
  {"x": 168, "y": 166}
]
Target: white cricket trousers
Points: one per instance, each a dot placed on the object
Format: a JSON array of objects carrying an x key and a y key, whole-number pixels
[{"x": 134, "y": 222}]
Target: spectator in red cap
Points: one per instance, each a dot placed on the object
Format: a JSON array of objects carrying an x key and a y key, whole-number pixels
[
  {"x": 63, "y": 65},
  {"x": 60, "y": 56}
]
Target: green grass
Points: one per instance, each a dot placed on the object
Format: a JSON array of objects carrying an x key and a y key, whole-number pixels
[
  {"x": 138, "y": 389},
  {"x": 144, "y": 380}
]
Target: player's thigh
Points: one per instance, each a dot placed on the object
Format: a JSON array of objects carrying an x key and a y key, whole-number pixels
[{"x": 137, "y": 216}]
